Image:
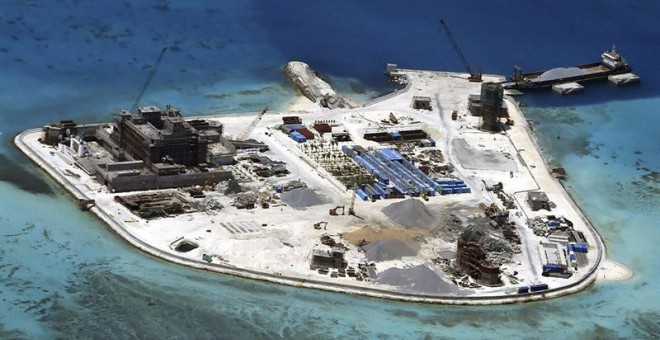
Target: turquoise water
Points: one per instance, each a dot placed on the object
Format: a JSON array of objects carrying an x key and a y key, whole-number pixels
[{"x": 63, "y": 274}]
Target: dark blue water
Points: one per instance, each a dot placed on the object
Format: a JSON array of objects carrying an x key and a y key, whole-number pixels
[{"x": 63, "y": 274}]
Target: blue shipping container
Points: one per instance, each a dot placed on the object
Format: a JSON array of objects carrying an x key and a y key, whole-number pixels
[
  {"x": 523, "y": 290},
  {"x": 361, "y": 194},
  {"x": 552, "y": 268},
  {"x": 538, "y": 287},
  {"x": 465, "y": 190},
  {"x": 347, "y": 150},
  {"x": 581, "y": 247}
]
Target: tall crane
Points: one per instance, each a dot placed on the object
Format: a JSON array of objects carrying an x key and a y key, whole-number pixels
[
  {"x": 248, "y": 131},
  {"x": 474, "y": 76},
  {"x": 148, "y": 81}
]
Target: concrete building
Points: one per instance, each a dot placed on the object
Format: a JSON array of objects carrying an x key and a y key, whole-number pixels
[
  {"x": 421, "y": 103},
  {"x": 538, "y": 200},
  {"x": 471, "y": 259},
  {"x": 57, "y": 132},
  {"x": 489, "y": 105},
  {"x": 160, "y": 137},
  {"x": 328, "y": 259}
]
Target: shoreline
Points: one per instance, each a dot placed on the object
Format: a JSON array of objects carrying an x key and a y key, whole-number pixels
[
  {"x": 300, "y": 103},
  {"x": 613, "y": 271},
  {"x": 616, "y": 271}
]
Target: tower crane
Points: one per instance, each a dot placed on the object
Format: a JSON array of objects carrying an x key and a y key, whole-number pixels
[
  {"x": 474, "y": 76},
  {"x": 246, "y": 133}
]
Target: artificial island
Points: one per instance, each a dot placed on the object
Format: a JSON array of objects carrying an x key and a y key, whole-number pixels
[{"x": 436, "y": 192}]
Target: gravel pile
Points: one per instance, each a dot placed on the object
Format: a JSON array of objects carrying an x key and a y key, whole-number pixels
[
  {"x": 560, "y": 72},
  {"x": 392, "y": 249},
  {"x": 411, "y": 213},
  {"x": 417, "y": 279},
  {"x": 302, "y": 198}
]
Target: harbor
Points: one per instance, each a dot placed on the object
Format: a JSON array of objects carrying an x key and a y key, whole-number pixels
[{"x": 567, "y": 80}]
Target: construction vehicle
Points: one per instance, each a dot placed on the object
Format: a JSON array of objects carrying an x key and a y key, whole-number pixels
[
  {"x": 475, "y": 76},
  {"x": 323, "y": 224},
  {"x": 333, "y": 211},
  {"x": 393, "y": 118},
  {"x": 247, "y": 132},
  {"x": 150, "y": 77}
]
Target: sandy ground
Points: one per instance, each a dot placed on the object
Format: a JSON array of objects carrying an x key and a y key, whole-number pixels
[
  {"x": 614, "y": 271},
  {"x": 371, "y": 234},
  {"x": 302, "y": 103}
]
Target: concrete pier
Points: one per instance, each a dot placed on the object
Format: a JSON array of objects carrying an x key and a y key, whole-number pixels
[
  {"x": 623, "y": 79},
  {"x": 568, "y": 88}
]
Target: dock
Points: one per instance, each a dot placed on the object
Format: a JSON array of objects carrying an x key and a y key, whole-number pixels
[
  {"x": 623, "y": 79},
  {"x": 568, "y": 88}
]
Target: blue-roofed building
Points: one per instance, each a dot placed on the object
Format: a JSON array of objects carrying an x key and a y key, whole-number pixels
[{"x": 391, "y": 154}]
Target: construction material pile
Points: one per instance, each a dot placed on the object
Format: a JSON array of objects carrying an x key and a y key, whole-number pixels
[
  {"x": 449, "y": 228},
  {"x": 410, "y": 213},
  {"x": 538, "y": 225},
  {"x": 209, "y": 205},
  {"x": 497, "y": 251},
  {"x": 419, "y": 279},
  {"x": 392, "y": 249},
  {"x": 302, "y": 198}
]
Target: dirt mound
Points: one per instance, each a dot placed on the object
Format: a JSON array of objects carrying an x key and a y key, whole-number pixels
[
  {"x": 371, "y": 234},
  {"x": 410, "y": 213},
  {"x": 393, "y": 249},
  {"x": 303, "y": 198},
  {"x": 417, "y": 279}
]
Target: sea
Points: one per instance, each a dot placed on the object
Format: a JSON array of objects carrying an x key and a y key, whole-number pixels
[{"x": 65, "y": 275}]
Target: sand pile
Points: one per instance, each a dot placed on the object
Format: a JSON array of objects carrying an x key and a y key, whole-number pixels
[
  {"x": 411, "y": 213},
  {"x": 393, "y": 249},
  {"x": 371, "y": 234},
  {"x": 302, "y": 198},
  {"x": 418, "y": 279}
]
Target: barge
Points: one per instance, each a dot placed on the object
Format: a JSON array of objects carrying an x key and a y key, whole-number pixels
[{"x": 611, "y": 63}]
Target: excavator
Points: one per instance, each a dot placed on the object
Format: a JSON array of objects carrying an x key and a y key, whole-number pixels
[
  {"x": 333, "y": 211},
  {"x": 320, "y": 225},
  {"x": 351, "y": 207}
]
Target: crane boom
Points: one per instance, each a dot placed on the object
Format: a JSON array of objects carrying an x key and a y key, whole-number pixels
[
  {"x": 246, "y": 133},
  {"x": 474, "y": 76},
  {"x": 148, "y": 81}
]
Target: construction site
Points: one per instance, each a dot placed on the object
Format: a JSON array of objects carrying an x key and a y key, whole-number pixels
[{"x": 436, "y": 191}]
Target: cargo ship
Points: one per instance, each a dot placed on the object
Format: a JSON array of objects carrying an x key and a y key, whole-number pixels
[{"x": 611, "y": 63}]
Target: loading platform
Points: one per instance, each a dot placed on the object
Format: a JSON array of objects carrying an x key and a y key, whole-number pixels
[
  {"x": 568, "y": 88},
  {"x": 623, "y": 79}
]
